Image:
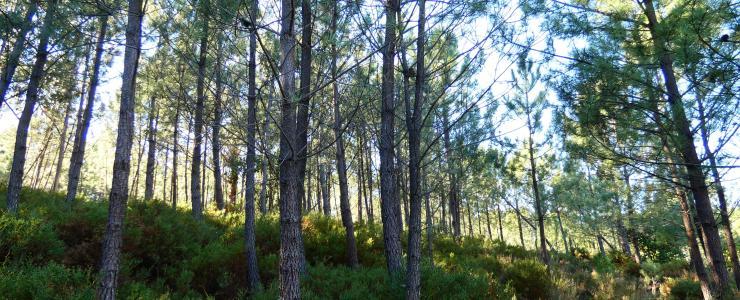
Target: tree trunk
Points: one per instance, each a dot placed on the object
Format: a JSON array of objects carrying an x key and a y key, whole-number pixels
[
  {"x": 519, "y": 223},
  {"x": 15, "y": 181},
  {"x": 390, "y": 206},
  {"x": 253, "y": 276},
  {"x": 62, "y": 143},
  {"x": 218, "y": 192},
  {"x": 414, "y": 125},
  {"x": 78, "y": 147},
  {"x": 538, "y": 205},
  {"x": 291, "y": 244},
  {"x": 122, "y": 164},
  {"x": 717, "y": 182},
  {"x": 454, "y": 203},
  {"x": 195, "y": 183},
  {"x": 266, "y": 157},
  {"x": 685, "y": 139},
  {"x": 151, "y": 151},
  {"x": 631, "y": 231},
  {"x": 175, "y": 148},
  {"x": 370, "y": 187},
  {"x": 344, "y": 205},
  {"x": 20, "y": 44},
  {"x": 164, "y": 175},
  {"x": 500, "y": 224}
]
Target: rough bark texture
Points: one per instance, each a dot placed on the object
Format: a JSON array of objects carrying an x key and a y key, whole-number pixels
[
  {"x": 122, "y": 163},
  {"x": 253, "y": 276},
  {"x": 195, "y": 183},
  {"x": 18, "y": 46},
  {"x": 78, "y": 147},
  {"x": 15, "y": 181},
  {"x": 390, "y": 206},
  {"x": 414, "y": 123},
  {"x": 151, "y": 155},
  {"x": 291, "y": 244},
  {"x": 685, "y": 139}
]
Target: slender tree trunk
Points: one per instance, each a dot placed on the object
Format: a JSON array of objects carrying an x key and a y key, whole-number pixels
[
  {"x": 151, "y": 151},
  {"x": 164, "y": 175},
  {"x": 454, "y": 202},
  {"x": 562, "y": 231},
  {"x": 195, "y": 174},
  {"x": 187, "y": 160},
  {"x": 218, "y": 192},
  {"x": 122, "y": 164},
  {"x": 78, "y": 147},
  {"x": 685, "y": 139},
  {"x": 324, "y": 183},
  {"x": 344, "y": 205},
  {"x": 20, "y": 44},
  {"x": 175, "y": 148},
  {"x": 266, "y": 157},
  {"x": 253, "y": 276},
  {"x": 62, "y": 144},
  {"x": 631, "y": 231},
  {"x": 370, "y": 187},
  {"x": 500, "y": 224},
  {"x": 414, "y": 124},
  {"x": 488, "y": 221},
  {"x": 717, "y": 182},
  {"x": 390, "y": 206},
  {"x": 538, "y": 205},
  {"x": 15, "y": 181},
  {"x": 519, "y": 222}
]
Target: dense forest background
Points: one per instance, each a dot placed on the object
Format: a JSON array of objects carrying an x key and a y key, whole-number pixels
[{"x": 369, "y": 149}]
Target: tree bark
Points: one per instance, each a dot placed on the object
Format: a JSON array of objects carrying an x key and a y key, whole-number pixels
[
  {"x": 717, "y": 182},
  {"x": 151, "y": 151},
  {"x": 291, "y": 244},
  {"x": 253, "y": 276},
  {"x": 15, "y": 178},
  {"x": 78, "y": 147},
  {"x": 685, "y": 139},
  {"x": 389, "y": 202},
  {"x": 18, "y": 46},
  {"x": 195, "y": 174},
  {"x": 122, "y": 164},
  {"x": 218, "y": 191},
  {"x": 414, "y": 124},
  {"x": 266, "y": 157}
]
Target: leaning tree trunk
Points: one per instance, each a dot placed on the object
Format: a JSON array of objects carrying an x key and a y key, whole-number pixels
[
  {"x": 151, "y": 151},
  {"x": 20, "y": 44},
  {"x": 78, "y": 147},
  {"x": 195, "y": 187},
  {"x": 344, "y": 205},
  {"x": 15, "y": 181},
  {"x": 690, "y": 158},
  {"x": 253, "y": 276},
  {"x": 112, "y": 241}
]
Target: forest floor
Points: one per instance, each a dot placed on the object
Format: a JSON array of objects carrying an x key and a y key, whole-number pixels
[{"x": 50, "y": 251}]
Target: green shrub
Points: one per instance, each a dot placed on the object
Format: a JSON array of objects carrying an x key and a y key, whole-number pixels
[
  {"x": 675, "y": 268},
  {"x": 686, "y": 289},
  {"x": 28, "y": 239},
  {"x": 603, "y": 264},
  {"x": 529, "y": 278},
  {"x": 51, "y": 281}
]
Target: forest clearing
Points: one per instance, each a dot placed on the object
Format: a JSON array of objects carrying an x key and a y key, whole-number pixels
[{"x": 369, "y": 149}]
